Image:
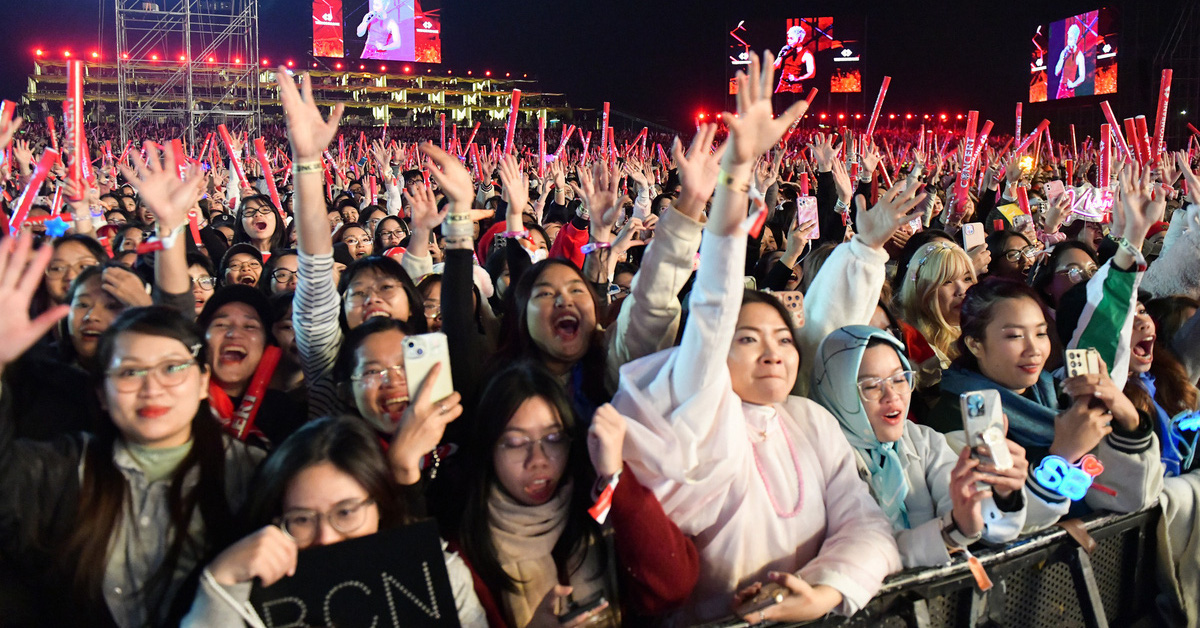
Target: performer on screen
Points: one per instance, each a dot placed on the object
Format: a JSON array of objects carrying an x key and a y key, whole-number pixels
[
  {"x": 381, "y": 25},
  {"x": 796, "y": 62},
  {"x": 1070, "y": 64}
]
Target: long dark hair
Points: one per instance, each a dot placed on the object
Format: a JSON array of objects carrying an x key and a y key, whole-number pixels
[
  {"x": 104, "y": 490},
  {"x": 345, "y": 442},
  {"x": 390, "y": 268},
  {"x": 239, "y": 230},
  {"x": 1041, "y": 277},
  {"x": 502, "y": 396},
  {"x": 1174, "y": 390},
  {"x": 377, "y": 242},
  {"x": 517, "y": 343}
]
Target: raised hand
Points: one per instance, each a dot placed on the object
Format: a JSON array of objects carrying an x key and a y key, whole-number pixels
[
  {"x": 895, "y": 207},
  {"x": 698, "y": 169},
  {"x": 420, "y": 429},
  {"x": 450, "y": 175},
  {"x": 870, "y": 159},
  {"x": 599, "y": 190},
  {"x": 7, "y": 131},
  {"x": 967, "y": 512},
  {"x": 1193, "y": 182},
  {"x": 1079, "y": 429},
  {"x": 605, "y": 438},
  {"x": 1008, "y": 481},
  {"x": 634, "y": 169},
  {"x": 755, "y": 129},
  {"x": 1142, "y": 204},
  {"x": 308, "y": 131},
  {"x": 841, "y": 180},
  {"x": 382, "y": 155},
  {"x": 423, "y": 204},
  {"x": 21, "y": 270},
  {"x": 166, "y": 196},
  {"x": 824, "y": 151},
  {"x": 516, "y": 191}
]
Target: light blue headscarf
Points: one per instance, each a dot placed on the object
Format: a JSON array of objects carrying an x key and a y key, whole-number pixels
[{"x": 835, "y": 386}]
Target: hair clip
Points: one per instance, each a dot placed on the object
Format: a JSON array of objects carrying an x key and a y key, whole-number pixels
[{"x": 930, "y": 248}]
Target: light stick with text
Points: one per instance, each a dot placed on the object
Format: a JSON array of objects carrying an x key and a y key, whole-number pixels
[
  {"x": 1160, "y": 125},
  {"x": 511, "y": 128}
]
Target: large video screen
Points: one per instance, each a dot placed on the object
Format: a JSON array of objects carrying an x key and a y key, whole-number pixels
[
  {"x": 810, "y": 52},
  {"x": 1074, "y": 57},
  {"x": 387, "y": 30}
]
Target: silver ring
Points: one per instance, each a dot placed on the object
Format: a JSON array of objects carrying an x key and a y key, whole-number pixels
[{"x": 442, "y": 408}]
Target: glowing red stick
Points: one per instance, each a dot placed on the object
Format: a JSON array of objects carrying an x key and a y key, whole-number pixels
[
  {"x": 181, "y": 162},
  {"x": 964, "y": 171},
  {"x": 25, "y": 201},
  {"x": 562, "y": 142},
  {"x": 604, "y": 130},
  {"x": 541, "y": 168},
  {"x": 194, "y": 227},
  {"x": 1074, "y": 151},
  {"x": 1142, "y": 135},
  {"x": 50, "y": 130},
  {"x": 1116, "y": 129},
  {"x": 442, "y": 119},
  {"x": 511, "y": 128},
  {"x": 233, "y": 157},
  {"x": 1041, "y": 127},
  {"x": 260, "y": 150},
  {"x": 1160, "y": 126},
  {"x": 1017, "y": 133},
  {"x": 878, "y": 105},
  {"x": 1023, "y": 200},
  {"x": 471, "y": 139},
  {"x": 1103, "y": 176},
  {"x": 81, "y": 164}
]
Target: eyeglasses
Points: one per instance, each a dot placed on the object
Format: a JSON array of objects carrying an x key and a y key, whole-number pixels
[
  {"x": 250, "y": 212},
  {"x": 59, "y": 269},
  {"x": 617, "y": 290},
  {"x": 283, "y": 275},
  {"x": 355, "y": 240},
  {"x": 384, "y": 291},
  {"x": 205, "y": 283},
  {"x": 433, "y": 310},
  {"x": 245, "y": 267},
  {"x": 398, "y": 234},
  {"x": 170, "y": 374},
  {"x": 515, "y": 449},
  {"x": 1028, "y": 252},
  {"x": 1077, "y": 273},
  {"x": 373, "y": 378},
  {"x": 304, "y": 525},
  {"x": 872, "y": 389}
]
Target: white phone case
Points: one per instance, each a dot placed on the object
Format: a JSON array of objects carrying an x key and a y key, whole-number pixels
[{"x": 421, "y": 352}]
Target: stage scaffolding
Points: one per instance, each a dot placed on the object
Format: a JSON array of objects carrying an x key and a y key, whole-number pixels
[{"x": 171, "y": 51}]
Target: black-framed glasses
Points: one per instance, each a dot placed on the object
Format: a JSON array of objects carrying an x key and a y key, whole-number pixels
[
  {"x": 397, "y": 233},
  {"x": 283, "y": 275},
  {"x": 872, "y": 388},
  {"x": 304, "y": 525},
  {"x": 245, "y": 267},
  {"x": 250, "y": 212},
  {"x": 205, "y": 283},
  {"x": 515, "y": 448},
  {"x": 58, "y": 269}
]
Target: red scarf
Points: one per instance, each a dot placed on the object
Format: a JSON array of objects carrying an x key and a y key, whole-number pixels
[{"x": 241, "y": 424}]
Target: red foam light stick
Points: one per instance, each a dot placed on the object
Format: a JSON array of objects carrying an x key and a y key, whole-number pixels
[
  {"x": 963, "y": 183},
  {"x": 1160, "y": 126},
  {"x": 181, "y": 162},
  {"x": 1049, "y": 144},
  {"x": 1193, "y": 129},
  {"x": 125, "y": 152},
  {"x": 1132, "y": 139},
  {"x": 1142, "y": 135},
  {"x": 233, "y": 156},
  {"x": 50, "y": 131},
  {"x": 1032, "y": 136},
  {"x": 7, "y": 109},
  {"x": 803, "y": 184},
  {"x": 260, "y": 150},
  {"x": 1122, "y": 145},
  {"x": 980, "y": 144},
  {"x": 341, "y": 150},
  {"x": 812, "y": 94},
  {"x": 25, "y": 201},
  {"x": 1074, "y": 151},
  {"x": 56, "y": 203},
  {"x": 194, "y": 227},
  {"x": 1017, "y": 133},
  {"x": 1069, "y": 166},
  {"x": 562, "y": 143},
  {"x": 587, "y": 140},
  {"x": 642, "y": 153},
  {"x": 204, "y": 148},
  {"x": 475, "y": 160},
  {"x": 1023, "y": 200},
  {"x": 373, "y": 187},
  {"x": 921, "y": 140},
  {"x": 1104, "y": 172},
  {"x": 75, "y": 137},
  {"x": 604, "y": 130},
  {"x": 442, "y": 120},
  {"x": 511, "y": 128},
  {"x": 878, "y": 105},
  {"x": 471, "y": 139},
  {"x": 541, "y": 168}
]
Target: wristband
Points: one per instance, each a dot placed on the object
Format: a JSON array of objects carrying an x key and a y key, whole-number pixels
[
  {"x": 841, "y": 205},
  {"x": 307, "y": 166},
  {"x": 953, "y": 537},
  {"x": 727, "y": 180},
  {"x": 583, "y": 213},
  {"x": 599, "y": 510},
  {"x": 458, "y": 225},
  {"x": 1138, "y": 258},
  {"x": 594, "y": 246},
  {"x": 524, "y": 233}
]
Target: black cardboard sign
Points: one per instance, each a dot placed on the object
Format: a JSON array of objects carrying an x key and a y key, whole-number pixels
[{"x": 389, "y": 579}]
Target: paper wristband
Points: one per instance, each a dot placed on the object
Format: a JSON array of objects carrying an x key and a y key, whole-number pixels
[{"x": 599, "y": 510}]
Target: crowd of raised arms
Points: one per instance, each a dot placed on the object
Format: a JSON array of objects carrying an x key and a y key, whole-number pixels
[{"x": 204, "y": 364}]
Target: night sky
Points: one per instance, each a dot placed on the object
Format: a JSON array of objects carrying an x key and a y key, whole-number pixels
[{"x": 661, "y": 60}]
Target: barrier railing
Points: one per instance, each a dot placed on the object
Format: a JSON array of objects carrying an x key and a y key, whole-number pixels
[{"x": 1045, "y": 579}]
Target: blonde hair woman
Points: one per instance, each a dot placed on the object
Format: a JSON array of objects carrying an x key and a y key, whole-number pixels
[{"x": 930, "y": 299}]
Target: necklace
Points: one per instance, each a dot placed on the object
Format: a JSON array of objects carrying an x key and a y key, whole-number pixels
[{"x": 799, "y": 480}]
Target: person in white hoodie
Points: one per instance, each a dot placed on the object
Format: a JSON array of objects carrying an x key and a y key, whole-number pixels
[
  {"x": 929, "y": 493},
  {"x": 763, "y": 482}
]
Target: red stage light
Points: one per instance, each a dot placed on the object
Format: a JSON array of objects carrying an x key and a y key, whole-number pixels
[
  {"x": 67, "y": 54},
  {"x": 524, "y": 76},
  {"x": 362, "y": 67},
  {"x": 154, "y": 57},
  {"x": 124, "y": 55},
  {"x": 701, "y": 116},
  {"x": 891, "y": 116},
  {"x": 468, "y": 72},
  {"x": 182, "y": 58},
  {"x": 926, "y": 116},
  {"x": 449, "y": 71},
  {"x": 337, "y": 66},
  {"x": 407, "y": 69},
  {"x": 718, "y": 116},
  {"x": 507, "y": 74},
  {"x": 39, "y": 52},
  {"x": 212, "y": 59},
  {"x": 841, "y": 116},
  {"x": 943, "y": 116},
  {"x": 264, "y": 62},
  {"x": 95, "y": 55},
  {"x": 908, "y": 116},
  {"x": 383, "y": 68},
  {"x": 238, "y": 60},
  {"x": 822, "y": 116},
  {"x": 858, "y": 116},
  {"x": 960, "y": 116},
  {"x": 290, "y": 63},
  {"x": 487, "y": 73}
]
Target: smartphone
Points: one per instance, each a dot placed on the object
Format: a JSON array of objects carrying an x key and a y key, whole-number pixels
[
  {"x": 1082, "y": 362},
  {"x": 983, "y": 424},
  {"x": 806, "y": 211},
  {"x": 771, "y": 594},
  {"x": 973, "y": 235},
  {"x": 421, "y": 352},
  {"x": 575, "y": 609},
  {"x": 1054, "y": 189},
  {"x": 915, "y": 224},
  {"x": 793, "y": 300},
  {"x": 749, "y": 282}
]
